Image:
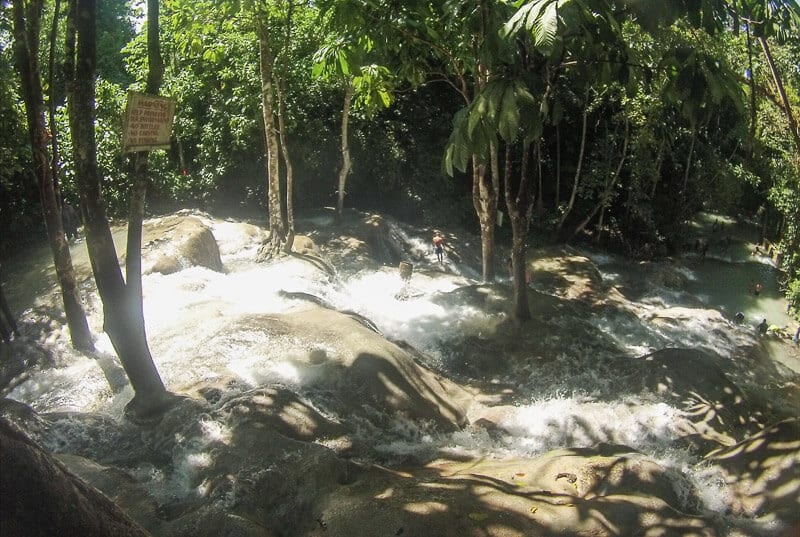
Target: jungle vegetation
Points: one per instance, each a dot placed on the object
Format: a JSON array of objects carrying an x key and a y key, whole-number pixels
[{"x": 611, "y": 121}]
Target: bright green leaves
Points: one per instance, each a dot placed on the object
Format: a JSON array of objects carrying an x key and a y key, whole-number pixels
[
  {"x": 344, "y": 61},
  {"x": 506, "y": 108},
  {"x": 540, "y": 18}
]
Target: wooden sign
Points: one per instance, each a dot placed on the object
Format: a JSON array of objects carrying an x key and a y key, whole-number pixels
[{"x": 148, "y": 122}]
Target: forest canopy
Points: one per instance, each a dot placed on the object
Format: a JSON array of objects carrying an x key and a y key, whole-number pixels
[{"x": 608, "y": 121}]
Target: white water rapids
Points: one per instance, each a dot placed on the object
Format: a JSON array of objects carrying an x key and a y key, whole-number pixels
[{"x": 572, "y": 399}]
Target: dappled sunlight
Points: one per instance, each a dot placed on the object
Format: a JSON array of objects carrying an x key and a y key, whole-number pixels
[{"x": 313, "y": 395}]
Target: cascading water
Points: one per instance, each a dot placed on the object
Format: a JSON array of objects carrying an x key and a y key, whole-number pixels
[{"x": 578, "y": 395}]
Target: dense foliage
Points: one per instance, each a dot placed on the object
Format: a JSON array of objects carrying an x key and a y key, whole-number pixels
[{"x": 697, "y": 106}]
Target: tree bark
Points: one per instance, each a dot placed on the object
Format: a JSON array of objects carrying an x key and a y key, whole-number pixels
[
  {"x": 346, "y": 164},
  {"x": 26, "y": 36},
  {"x": 288, "y": 163},
  {"x": 519, "y": 212},
  {"x": 55, "y": 159},
  {"x": 41, "y": 498},
  {"x": 782, "y": 92},
  {"x": 688, "y": 164},
  {"x": 576, "y": 179},
  {"x": 558, "y": 167},
  {"x": 276, "y": 220},
  {"x": 607, "y": 190},
  {"x": 122, "y": 320},
  {"x": 140, "y": 167}
]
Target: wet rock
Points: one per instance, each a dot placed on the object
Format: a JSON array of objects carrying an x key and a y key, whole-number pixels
[
  {"x": 564, "y": 273},
  {"x": 614, "y": 492},
  {"x": 665, "y": 275},
  {"x": 762, "y": 473},
  {"x": 174, "y": 243},
  {"x": 355, "y": 367},
  {"x": 694, "y": 382}
]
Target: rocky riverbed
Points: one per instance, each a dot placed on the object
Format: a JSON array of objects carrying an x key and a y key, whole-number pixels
[{"x": 325, "y": 395}]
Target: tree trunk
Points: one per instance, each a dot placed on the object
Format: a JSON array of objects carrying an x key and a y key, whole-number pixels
[
  {"x": 607, "y": 190},
  {"x": 139, "y": 161},
  {"x": 688, "y": 164},
  {"x": 276, "y": 220},
  {"x": 55, "y": 159},
  {"x": 540, "y": 193},
  {"x": 752, "y": 83},
  {"x": 659, "y": 163},
  {"x": 485, "y": 196},
  {"x": 26, "y": 36},
  {"x": 288, "y": 162},
  {"x": 558, "y": 167},
  {"x": 519, "y": 210},
  {"x": 345, "y": 170},
  {"x": 41, "y": 498},
  {"x": 782, "y": 92},
  {"x": 124, "y": 326},
  {"x": 576, "y": 180}
]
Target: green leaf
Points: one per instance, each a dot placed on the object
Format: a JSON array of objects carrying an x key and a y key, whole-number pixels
[{"x": 509, "y": 115}]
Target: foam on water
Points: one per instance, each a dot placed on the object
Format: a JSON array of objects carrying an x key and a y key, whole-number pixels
[{"x": 575, "y": 398}]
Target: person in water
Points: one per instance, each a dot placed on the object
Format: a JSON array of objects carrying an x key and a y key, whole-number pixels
[
  {"x": 739, "y": 317},
  {"x": 762, "y": 327},
  {"x": 758, "y": 288},
  {"x": 438, "y": 246}
]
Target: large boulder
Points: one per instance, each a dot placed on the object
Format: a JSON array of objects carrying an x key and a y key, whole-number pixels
[
  {"x": 173, "y": 243},
  {"x": 694, "y": 382},
  {"x": 762, "y": 473},
  {"x": 602, "y": 491},
  {"x": 339, "y": 354}
]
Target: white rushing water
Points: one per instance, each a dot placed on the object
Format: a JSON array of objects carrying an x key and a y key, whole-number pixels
[{"x": 570, "y": 400}]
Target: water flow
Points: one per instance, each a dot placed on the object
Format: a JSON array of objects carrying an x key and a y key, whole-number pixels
[{"x": 571, "y": 399}]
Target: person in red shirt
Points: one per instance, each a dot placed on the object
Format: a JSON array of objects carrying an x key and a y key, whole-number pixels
[{"x": 438, "y": 246}]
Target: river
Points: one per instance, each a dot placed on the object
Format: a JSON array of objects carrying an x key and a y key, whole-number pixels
[{"x": 569, "y": 388}]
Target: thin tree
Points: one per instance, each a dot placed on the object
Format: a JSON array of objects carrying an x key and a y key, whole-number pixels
[
  {"x": 121, "y": 307},
  {"x": 27, "y": 19},
  {"x": 139, "y": 164}
]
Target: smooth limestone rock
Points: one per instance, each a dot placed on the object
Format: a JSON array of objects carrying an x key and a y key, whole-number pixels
[{"x": 174, "y": 243}]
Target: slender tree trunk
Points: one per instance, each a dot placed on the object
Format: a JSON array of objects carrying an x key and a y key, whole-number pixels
[
  {"x": 288, "y": 163},
  {"x": 139, "y": 160},
  {"x": 26, "y": 36},
  {"x": 689, "y": 156},
  {"x": 540, "y": 193},
  {"x": 55, "y": 159},
  {"x": 576, "y": 179},
  {"x": 752, "y": 81},
  {"x": 782, "y": 92},
  {"x": 608, "y": 190},
  {"x": 121, "y": 318},
  {"x": 659, "y": 163},
  {"x": 519, "y": 212},
  {"x": 558, "y": 167},
  {"x": 276, "y": 220},
  {"x": 345, "y": 170},
  {"x": 281, "y": 87}
]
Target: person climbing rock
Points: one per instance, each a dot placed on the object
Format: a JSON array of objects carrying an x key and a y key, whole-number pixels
[{"x": 438, "y": 246}]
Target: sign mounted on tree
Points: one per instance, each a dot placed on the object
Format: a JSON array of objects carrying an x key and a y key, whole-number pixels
[{"x": 147, "y": 123}]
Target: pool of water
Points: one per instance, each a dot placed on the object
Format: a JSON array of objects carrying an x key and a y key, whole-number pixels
[{"x": 726, "y": 286}]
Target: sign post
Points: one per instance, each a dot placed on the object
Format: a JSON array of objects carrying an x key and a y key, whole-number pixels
[{"x": 147, "y": 123}]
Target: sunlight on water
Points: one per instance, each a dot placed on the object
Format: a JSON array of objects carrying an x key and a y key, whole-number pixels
[{"x": 576, "y": 396}]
